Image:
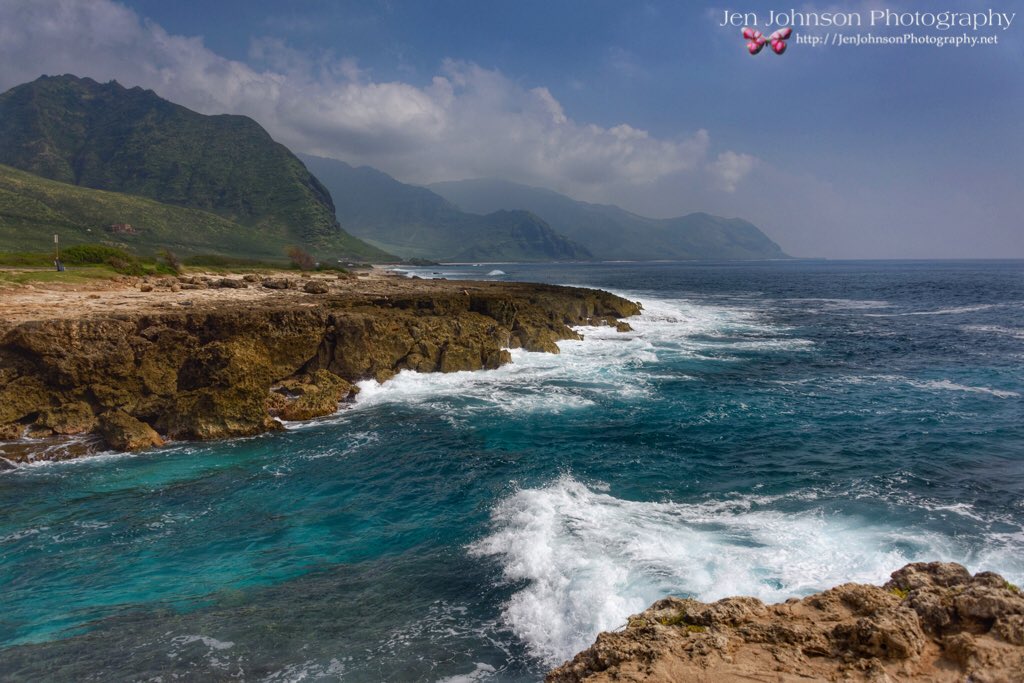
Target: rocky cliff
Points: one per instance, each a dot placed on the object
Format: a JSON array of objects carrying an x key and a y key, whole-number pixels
[
  {"x": 930, "y": 622},
  {"x": 194, "y": 367}
]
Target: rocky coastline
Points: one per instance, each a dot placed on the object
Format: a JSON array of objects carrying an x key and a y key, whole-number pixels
[
  {"x": 211, "y": 358},
  {"x": 930, "y": 622}
]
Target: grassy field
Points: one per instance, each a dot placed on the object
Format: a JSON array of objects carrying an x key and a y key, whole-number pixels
[
  {"x": 91, "y": 262},
  {"x": 33, "y": 209},
  {"x": 75, "y": 275}
]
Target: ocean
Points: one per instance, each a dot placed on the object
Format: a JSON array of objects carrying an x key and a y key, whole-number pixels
[{"x": 767, "y": 429}]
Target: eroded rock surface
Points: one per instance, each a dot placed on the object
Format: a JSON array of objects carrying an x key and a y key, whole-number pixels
[
  {"x": 930, "y": 622},
  {"x": 226, "y": 367}
]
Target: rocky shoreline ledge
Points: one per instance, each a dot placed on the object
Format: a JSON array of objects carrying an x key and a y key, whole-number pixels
[
  {"x": 930, "y": 622},
  {"x": 134, "y": 364}
]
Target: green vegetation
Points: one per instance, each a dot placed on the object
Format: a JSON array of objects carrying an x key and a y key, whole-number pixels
[
  {"x": 418, "y": 224},
  {"x": 33, "y": 209},
  {"x": 84, "y": 261},
  {"x": 118, "y": 259},
  {"x": 74, "y": 275},
  {"x": 636, "y": 622},
  {"x": 87, "y": 262},
  {"x": 674, "y": 620},
  {"x": 172, "y": 260},
  {"x": 220, "y": 183},
  {"x": 94, "y": 253},
  {"x": 899, "y": 592},
  {"x": 679, "y": 619}
]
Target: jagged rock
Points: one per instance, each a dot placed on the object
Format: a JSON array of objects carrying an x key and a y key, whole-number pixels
[
  {"x": 931, "y": 622},
  {"x": 123, "y": 432},
  {"x": 315, "y": 287},
  {"x": 11, "y": 431},
  {"x": 277, "y": 283},
  {"x": 221, "y": 390},
  {"x": 622, "y": 326},
  {"x": 252, "y": 277},
  {"x": 206, "y": 371},
  {"x": 145, "y": 287},
  {"x": 6, "y": 465},
  {"x": 231, "y": 283},
  {"x": 307, "y": 397},
  {"x": 22, "y": 397},
  {"x": 71, "y": 418}
]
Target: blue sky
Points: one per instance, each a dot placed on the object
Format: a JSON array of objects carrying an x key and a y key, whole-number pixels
[{"x": 871, "y": 151}]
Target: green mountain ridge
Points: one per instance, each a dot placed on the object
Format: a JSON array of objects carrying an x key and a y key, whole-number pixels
[
  {"x": 611, "y": 232},
  {"x": 107, "y": 137},
  {"x": 413, "y": 221},
  {"x": 33, "y": 209}
]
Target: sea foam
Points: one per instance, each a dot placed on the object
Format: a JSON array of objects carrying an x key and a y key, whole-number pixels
[
  {"x": 605, "y": 363},
  {"x": 586, "y": 560}
]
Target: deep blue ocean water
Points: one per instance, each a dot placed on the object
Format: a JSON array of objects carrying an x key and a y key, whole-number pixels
[{"x": 768, "y": 429}]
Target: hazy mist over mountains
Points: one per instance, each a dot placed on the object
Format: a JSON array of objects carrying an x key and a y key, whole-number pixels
[{"x": 614, "y": 233}]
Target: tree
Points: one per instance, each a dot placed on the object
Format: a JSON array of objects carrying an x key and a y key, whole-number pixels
[
  {"x": 172, "y": 260},
  {"x": 301, "y": 258}
]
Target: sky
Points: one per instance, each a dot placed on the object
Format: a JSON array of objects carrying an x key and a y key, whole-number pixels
[{"x": 869, "y": 151}]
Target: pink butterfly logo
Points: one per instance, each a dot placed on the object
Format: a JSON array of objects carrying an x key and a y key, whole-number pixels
[{"x": 756, "y": 40}]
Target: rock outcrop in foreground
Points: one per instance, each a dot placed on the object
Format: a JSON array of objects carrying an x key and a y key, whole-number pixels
[
  {"x": 931, "y": 622},
  {"x": 226, "y": 362}
]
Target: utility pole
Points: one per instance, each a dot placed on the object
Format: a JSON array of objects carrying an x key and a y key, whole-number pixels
[{"x": 56, "y": 254}]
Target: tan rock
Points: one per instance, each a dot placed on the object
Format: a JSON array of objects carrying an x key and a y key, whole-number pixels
[
  {"x": 71, "y": 418},
  {"x": 11, "y": 431},
  {"x": 307, "y": 397},
  {"x": 205, "y": 370},
  {"x": 931, "y": 622},
  {"x": 123, "y": 432},
  {"x": 315, "y": 287}
]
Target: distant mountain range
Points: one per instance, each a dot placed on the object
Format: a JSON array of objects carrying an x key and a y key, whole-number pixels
[
  {"x": 415, "y": 222},
  {"x": 103, "y": 163},
  {"x": 107, "y": 137},
  {"x": 610, "y": 232}
]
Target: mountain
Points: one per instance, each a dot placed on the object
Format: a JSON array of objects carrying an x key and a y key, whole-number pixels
[
  {"x": 33, "y": 208},
  {"x": 415, "y": 222},
  {"x": 107, "y": 137},
  {"x": 611, "y": 232}
]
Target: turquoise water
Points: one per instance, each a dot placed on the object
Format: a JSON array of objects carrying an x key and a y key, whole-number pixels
[{"x": 767, "y": 429}]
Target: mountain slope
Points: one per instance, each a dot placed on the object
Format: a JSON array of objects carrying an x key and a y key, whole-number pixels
[
  {"x": 107, "y": 137},
  {"x": 415, "y": 222},
  {"x": 611, "y": 232},
  {"x": 32, "y": 209}
]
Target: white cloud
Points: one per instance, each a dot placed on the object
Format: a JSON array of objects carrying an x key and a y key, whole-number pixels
[
  {"x": 730, "y": 168},
  {"x": 468, "y": 121}
]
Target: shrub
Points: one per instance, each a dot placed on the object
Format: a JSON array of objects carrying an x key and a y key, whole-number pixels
[
  {"x": 94, "y": 254},
  {"x": 126, "y": 266},
  {"x": 172, "y": 260},
  {"x": 301, "y": 258}
]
